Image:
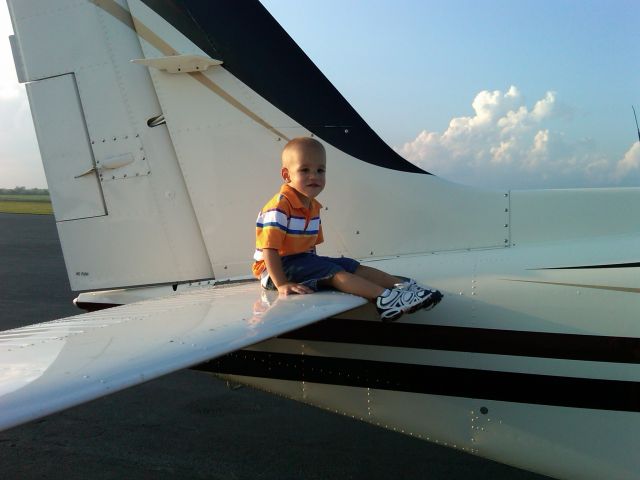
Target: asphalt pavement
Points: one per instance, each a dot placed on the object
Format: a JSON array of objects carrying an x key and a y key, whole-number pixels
[{"x": 190, "y": 425}]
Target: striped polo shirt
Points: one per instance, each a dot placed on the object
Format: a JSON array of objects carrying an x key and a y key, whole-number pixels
[{"x": 287, "y": 225}]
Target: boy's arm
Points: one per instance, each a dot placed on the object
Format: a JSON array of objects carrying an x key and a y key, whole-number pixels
[{"x": 274, "y": 267}]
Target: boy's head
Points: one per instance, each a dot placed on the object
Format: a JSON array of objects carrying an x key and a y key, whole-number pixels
[{"x": 304, "y": 164}]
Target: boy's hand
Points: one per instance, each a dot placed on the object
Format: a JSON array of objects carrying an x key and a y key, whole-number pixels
[
  {"x": 287, "y": 288},
  {"x": 273, "y": 262}
]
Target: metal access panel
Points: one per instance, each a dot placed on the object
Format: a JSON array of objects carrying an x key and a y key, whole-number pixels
[{"x": 65, "y": 148}]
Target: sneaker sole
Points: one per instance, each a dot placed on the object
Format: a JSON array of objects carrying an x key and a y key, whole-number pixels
[
  {"x": 428, "y": 303},
  {"x": 392, "y": 318}
]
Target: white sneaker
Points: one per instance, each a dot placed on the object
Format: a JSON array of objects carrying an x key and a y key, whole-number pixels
[
  {"x": 433, "y": 296},
  {"x": 389, "y": 305},
  {"x": 396, "y": 301}
]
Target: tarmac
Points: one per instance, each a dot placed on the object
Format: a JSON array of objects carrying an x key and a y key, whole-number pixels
[{"x": 190, "y": 425}]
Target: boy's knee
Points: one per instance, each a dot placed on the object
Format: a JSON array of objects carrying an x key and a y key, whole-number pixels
[{"x": 340, "y": 276}]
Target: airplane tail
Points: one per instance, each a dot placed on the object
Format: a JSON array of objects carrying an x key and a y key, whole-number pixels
[{"x": 160, "y": 125}]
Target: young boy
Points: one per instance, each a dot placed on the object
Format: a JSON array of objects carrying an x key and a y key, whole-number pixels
[{"x": 288, "y": 229}]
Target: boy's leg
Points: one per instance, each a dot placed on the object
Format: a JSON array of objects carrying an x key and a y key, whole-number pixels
[
  {"x": 378, "y": 277},
  {"x": 355, "y": 284}
]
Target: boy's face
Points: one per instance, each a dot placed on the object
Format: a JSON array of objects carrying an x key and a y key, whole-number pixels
[{"x": 304, "y": 170}]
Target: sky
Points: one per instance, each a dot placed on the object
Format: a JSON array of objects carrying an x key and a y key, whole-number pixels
[{"x": 497, "y": 94}]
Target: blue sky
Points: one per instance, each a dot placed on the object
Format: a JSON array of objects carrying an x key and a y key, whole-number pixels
[{"x": 493, "y": 93}]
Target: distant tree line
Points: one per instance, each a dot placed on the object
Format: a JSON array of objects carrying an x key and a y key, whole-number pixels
[{"x": 24, "y": 191}]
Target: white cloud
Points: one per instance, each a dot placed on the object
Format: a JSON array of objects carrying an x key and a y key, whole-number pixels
[
  {"x": 505, "y": 144},
  {"x": 543, "y": 108},
  {"x": 630, "y": 163}
]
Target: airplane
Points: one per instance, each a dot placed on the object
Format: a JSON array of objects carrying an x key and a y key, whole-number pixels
[{"x": 160, "y": 124}]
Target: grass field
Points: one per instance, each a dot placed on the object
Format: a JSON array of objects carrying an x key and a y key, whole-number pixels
[{"x": 29, "y": 204}]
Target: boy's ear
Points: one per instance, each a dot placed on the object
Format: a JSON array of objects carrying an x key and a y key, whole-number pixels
[{"x": 285, "y": 174}]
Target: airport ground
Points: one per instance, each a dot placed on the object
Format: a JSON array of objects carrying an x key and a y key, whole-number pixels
[{"x": 189, "y": 425}]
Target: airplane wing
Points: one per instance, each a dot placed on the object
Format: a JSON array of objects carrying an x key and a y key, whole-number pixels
[{"x": 48, "y": 367}]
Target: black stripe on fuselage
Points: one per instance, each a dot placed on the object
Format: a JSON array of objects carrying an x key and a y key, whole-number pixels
[
  {"x": 476, "y": 340},
  {"x": 427, "y": 379},
  {"x": 257, "y": 51},
  {"x": 583, "y": 267}
]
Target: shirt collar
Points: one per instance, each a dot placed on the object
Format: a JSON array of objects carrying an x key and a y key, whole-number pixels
[{"x": 294, "y": 199}]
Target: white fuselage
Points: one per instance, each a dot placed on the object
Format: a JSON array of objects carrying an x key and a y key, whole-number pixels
[
  {"x": 515, "y": 360},
  {"x": 516, "y": 364}
]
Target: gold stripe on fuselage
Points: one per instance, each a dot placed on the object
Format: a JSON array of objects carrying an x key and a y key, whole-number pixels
[{"x": 144, "y": 32}]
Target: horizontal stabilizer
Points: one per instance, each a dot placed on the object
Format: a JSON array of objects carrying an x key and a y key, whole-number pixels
[{"x": 52, "y": 366}]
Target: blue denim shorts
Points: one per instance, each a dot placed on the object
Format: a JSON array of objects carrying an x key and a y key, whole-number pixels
[{"x": 309, "y": 269}]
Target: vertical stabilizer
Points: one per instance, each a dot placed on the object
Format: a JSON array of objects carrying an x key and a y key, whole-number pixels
[
  {"x": 123, "y": 213},
  {"x": 178, "y": 111}
]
